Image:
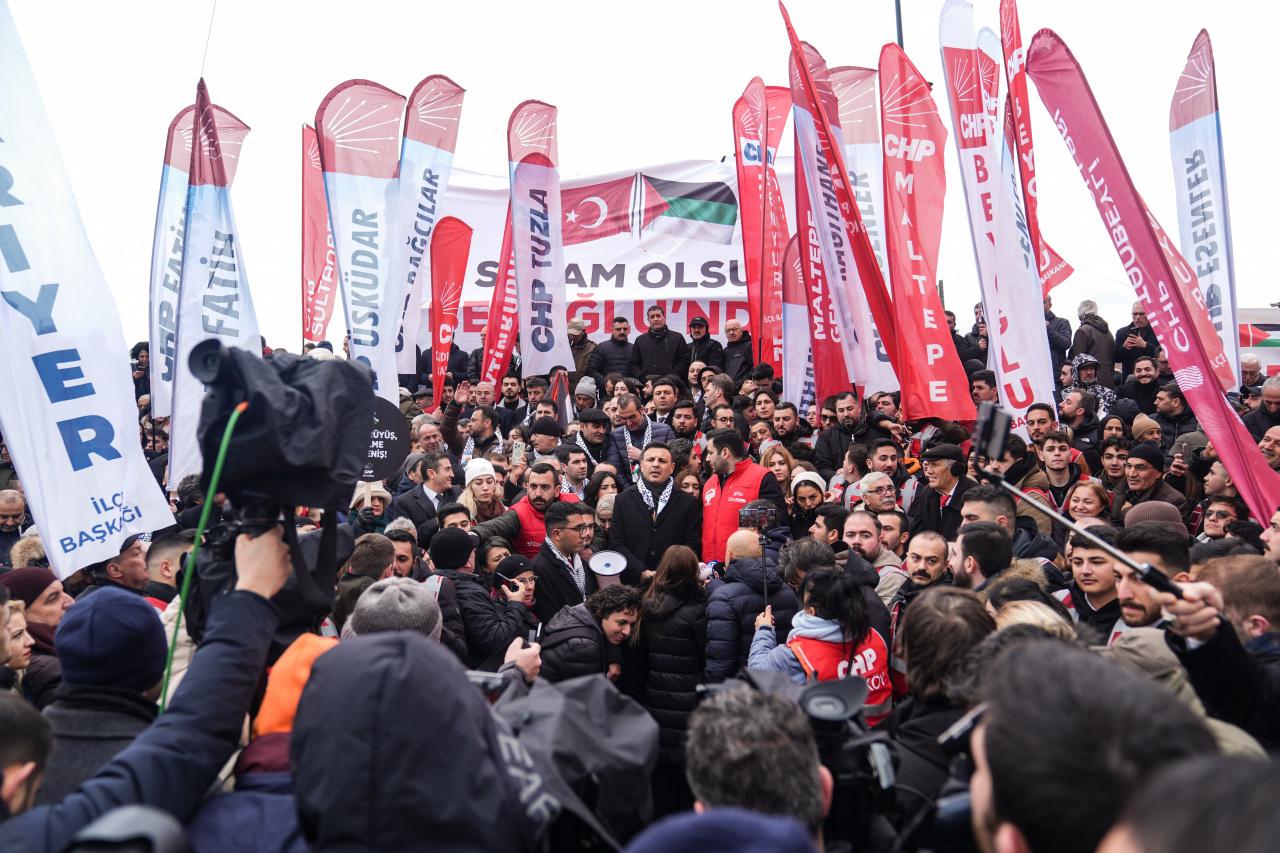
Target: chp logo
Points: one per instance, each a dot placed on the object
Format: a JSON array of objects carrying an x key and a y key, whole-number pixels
[{"x": 709, "y": 496}]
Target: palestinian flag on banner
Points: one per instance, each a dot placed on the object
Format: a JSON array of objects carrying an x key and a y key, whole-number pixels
[
  {"x": 691, "y": 211},
  {"x": 1259, "y": 335}
]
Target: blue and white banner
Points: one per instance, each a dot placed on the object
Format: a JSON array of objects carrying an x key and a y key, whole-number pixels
[
  {"x": 166, "y": 248},
  {"x": 213, "y": 299},
  {"x": 358, "y": 124},
  {"x": 66, "y": 396}
]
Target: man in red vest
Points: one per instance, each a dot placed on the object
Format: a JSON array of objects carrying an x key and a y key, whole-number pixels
[
  {"x": 523, "y": 525},
  {"x": 735, "y": 482}
]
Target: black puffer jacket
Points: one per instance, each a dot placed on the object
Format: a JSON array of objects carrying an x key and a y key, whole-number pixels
[
  {"x": 707, "y": 350},
  {"x": 490, "y": 625},
  {"x": 659, "y": 354},
  {"x": 673, "y": 634},
  {"x": 732, "y": 611},
  {"x": 738, "y": 358},
  {"x": 610, "y": 357},
  {"x": 573, "y": 645}
]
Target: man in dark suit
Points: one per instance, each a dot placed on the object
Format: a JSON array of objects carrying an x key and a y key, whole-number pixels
[
  {"x": 653, "y": 515},
  {"x": 937, "y": 508},
  {"x": 564, "y": 578},
  {"x": 436, "y": 489}
]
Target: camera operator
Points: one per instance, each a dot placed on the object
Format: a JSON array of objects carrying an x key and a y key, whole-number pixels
[
  {"x": 736, "y": 601},
  {"x": 172, "y": 763}
]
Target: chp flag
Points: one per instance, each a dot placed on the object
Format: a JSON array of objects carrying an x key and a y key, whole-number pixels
[
  {"x": 166, "y": 247},
  {"x": 66, "y": 402},
  {"x": 450, "y": 245},
  {"x": 1200, "y": 177},
  {"x": 358, "y": 124},
  {"x": 431, "y": 119},
  {"x": 1164, "y": 283},
  {"x": 915, "y": 185},
  {"x": 319, "y": 260},
  {"x": 537, "y": 248},
  {"x": 502, "y": 324},
  {"x": 214, "y": 301},
  {"x": 797, "y": 351}
]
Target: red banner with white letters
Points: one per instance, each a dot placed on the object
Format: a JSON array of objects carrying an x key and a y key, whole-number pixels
[
  {"x": 933, "y": 381},
  {"x": 1164, "y": 283},
  {"x": 319, "y": 262},
  {"x": 503, "y": 322},
  {"x": 450, "y": 245}
]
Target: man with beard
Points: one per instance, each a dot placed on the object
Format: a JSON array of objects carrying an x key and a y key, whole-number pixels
[
  {"x": 1141, "y": 388},
  {"x": 482, "y": 438},
  {"x": 613, "y": 355},
  {"x": 574, "y": 468},
  {"x": 659, "y": 351},
  {"x": 833, "y": 442},
  {"x": 636, "y": 432},
  {"x": 738, "y": 357},
  {"x": 1174, "y": 416},
  {"x": 1269, "y": 444},
  {"x": 582, "y": 348},
  {"x": 703, "y": 347},
  {"x": 735, "y": 482},
  {"x": 653, "y": 515},
  {"x": 1135, "y": 340},
  {"x": 684, "y": 422},
  {"x": 894, "y": 531},
  {"x": 926, "y": 566},
  {"x": 523, "y": 525},
  {"x": 511, "y": 409},
  {"x": 1159, "y": 546},
  {"x": 1084, "y": 377},
  {"x": 862, "y": 532},
  {"x": 983, "y": 388},
  {"x": 938, "y": 507},
  {"x": 1144, "y": 481},
  {"x": 13, "y": 514},
  {"x": 1041, "y": 419},
  {"x": 1091, "y": 595},
  {"x": 590, "y": 437},
  {"x": 787, "y": 424},
  {"x": 1078, "y": 410}
]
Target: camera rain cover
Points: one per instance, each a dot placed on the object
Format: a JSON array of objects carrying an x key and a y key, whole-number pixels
[{"x": 304, "y": 437}]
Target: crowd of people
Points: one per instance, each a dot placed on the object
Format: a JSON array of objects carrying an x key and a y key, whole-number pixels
[{"x": 681, "y": 533}]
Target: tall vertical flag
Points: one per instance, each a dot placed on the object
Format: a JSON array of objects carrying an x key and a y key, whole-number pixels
[
  {"x": 759, "y": 117},
  {"x": 1009, "y": 282},
  {"x": 536, "y": 241},
  {"x": 214, "y": 301},
  {"x": 1153, "y": 267},
  {"x": 829, "y": 203},
  {"x": 1200, "y": 177},
  {"x": 1053, "y": 269},
  {"x": 426, "y": 160},
  {"x": 319, "y": 255},
  {"x": 808, "y": 89},
  {"x": 66, "y": 402},
  {"x": 858, "y": 111},
  {"x": 502, "y": 326},
  {"x": 358, "y": 124},
  {"x": 166, "y": 247},
  {"x": 915, "y": 185},
  {"x": 797, "y": 350},
  {"x": 450, "y": 245}
]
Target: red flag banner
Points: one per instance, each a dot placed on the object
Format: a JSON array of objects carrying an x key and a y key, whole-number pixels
[
  {"x": 1153, "y": 266},
  {"x": 450, "y": 245},
  {"x": 915, "y": 184},
  {"x": 503, "y": 322},
  {"x": 1053, "y": 269},
  {"x": 319, "y": 260},
  {"x": 867, "y": 267}
]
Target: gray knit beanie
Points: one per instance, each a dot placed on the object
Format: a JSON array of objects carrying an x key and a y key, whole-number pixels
[{"x": 396, "y": 604}]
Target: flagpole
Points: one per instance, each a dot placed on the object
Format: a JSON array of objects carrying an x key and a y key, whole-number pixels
[
  {"x": 764, "y": 228},
  {"x": 897, "y": 10}
]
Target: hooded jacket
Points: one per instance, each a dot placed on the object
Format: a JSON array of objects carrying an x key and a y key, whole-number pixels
[
  {"x": 673, "y": 636},
  {"x": 732, "y": 611},
  {"x": 1103, "y": 394},
  {"x": 573, "y": 644},
  {"x": 707, "y": 350},
  {"x": 739, "y": 358},
  {"x": 1094, "y": 338},
  {"x": 366, "y": 781}
]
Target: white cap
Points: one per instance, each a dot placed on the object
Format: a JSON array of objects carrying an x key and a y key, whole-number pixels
[
  {"x": 808, "y": 477},
  {"x": 479, "y": 468}
]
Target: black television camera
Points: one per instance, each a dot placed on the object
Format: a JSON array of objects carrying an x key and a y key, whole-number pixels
[
  {"x": 758, "y": 518},
  {"x": 301, "y": 442}
]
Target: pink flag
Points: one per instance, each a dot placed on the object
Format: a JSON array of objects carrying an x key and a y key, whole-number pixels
[
  {"x": 933, "y": 380},
  {"x": 319, "y": 260},
  {"x": 503, "y": 323},
  {"x": 450, "y": 245},
  {"x": 1153, "y": 266}
]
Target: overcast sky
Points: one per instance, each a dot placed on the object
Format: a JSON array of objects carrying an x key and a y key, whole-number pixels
[{"x": 636, "y": 84}]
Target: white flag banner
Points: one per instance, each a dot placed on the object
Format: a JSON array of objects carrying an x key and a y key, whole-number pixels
[
  {"x": 213, "y": 299},
  {"x": 66, "y": 398}
]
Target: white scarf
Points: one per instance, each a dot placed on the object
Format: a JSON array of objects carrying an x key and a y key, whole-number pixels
[
  {"x": 648, "y": 437},
  {"x": 576, "y": 571},
  {"x": 469, "y": 449},
  {"x": 566, "y": 486},
  {"x": 647, "y": 494},
  {"x": 578, "y": 439}
]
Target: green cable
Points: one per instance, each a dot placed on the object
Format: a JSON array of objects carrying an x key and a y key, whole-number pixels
[{"x": 191, "y": 558}]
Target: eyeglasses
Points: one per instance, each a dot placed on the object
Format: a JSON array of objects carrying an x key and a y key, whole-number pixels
[
  {"x": 581, "y": 529},
  {"x": 826, "y": 417},
  {"x": 1219, "y": 513},
  {"x": 883, "y": 490}
]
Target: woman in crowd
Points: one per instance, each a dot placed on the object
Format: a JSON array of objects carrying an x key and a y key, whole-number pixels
[
  {"x": 604, "y": 517},
  {"x": 671, "y": 640},
  {"x": 601, "y": 483},
  {"x": 494, "y": 550},
  {"x": 807, "y": 493},
  {"x": 779, "y": 462},
  {"x": 1085, "y": 499},
  {"x": 519, "y": 571},
  {"x": 17, "y": 642},
  {"x": 45, "y": 603},
  {"x": 689, "y": 482},
  {"x": 482, "y": 495}
]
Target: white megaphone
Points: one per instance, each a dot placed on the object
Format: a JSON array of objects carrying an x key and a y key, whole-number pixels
[{"x": 607, "y": 565}]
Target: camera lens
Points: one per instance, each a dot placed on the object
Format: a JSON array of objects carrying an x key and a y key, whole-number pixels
[{"x": 826, "y": 707}]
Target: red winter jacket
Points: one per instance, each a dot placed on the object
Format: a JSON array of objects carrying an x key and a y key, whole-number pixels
[{"x": 720, "y": 505}]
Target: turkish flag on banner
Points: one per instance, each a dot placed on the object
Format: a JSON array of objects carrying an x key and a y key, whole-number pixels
[
  {"x": 450, "y": 246},
  {"x": 596, "y": 210},
  {"x": 915, "y": 181},
  {"x": 1157, "y": 272}
]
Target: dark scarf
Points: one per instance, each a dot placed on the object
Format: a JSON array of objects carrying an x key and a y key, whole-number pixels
[
  {"x": 43, "y": 637},
  {"x": 103, "y": 698},
  {"x": 659, "y": 335}
]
